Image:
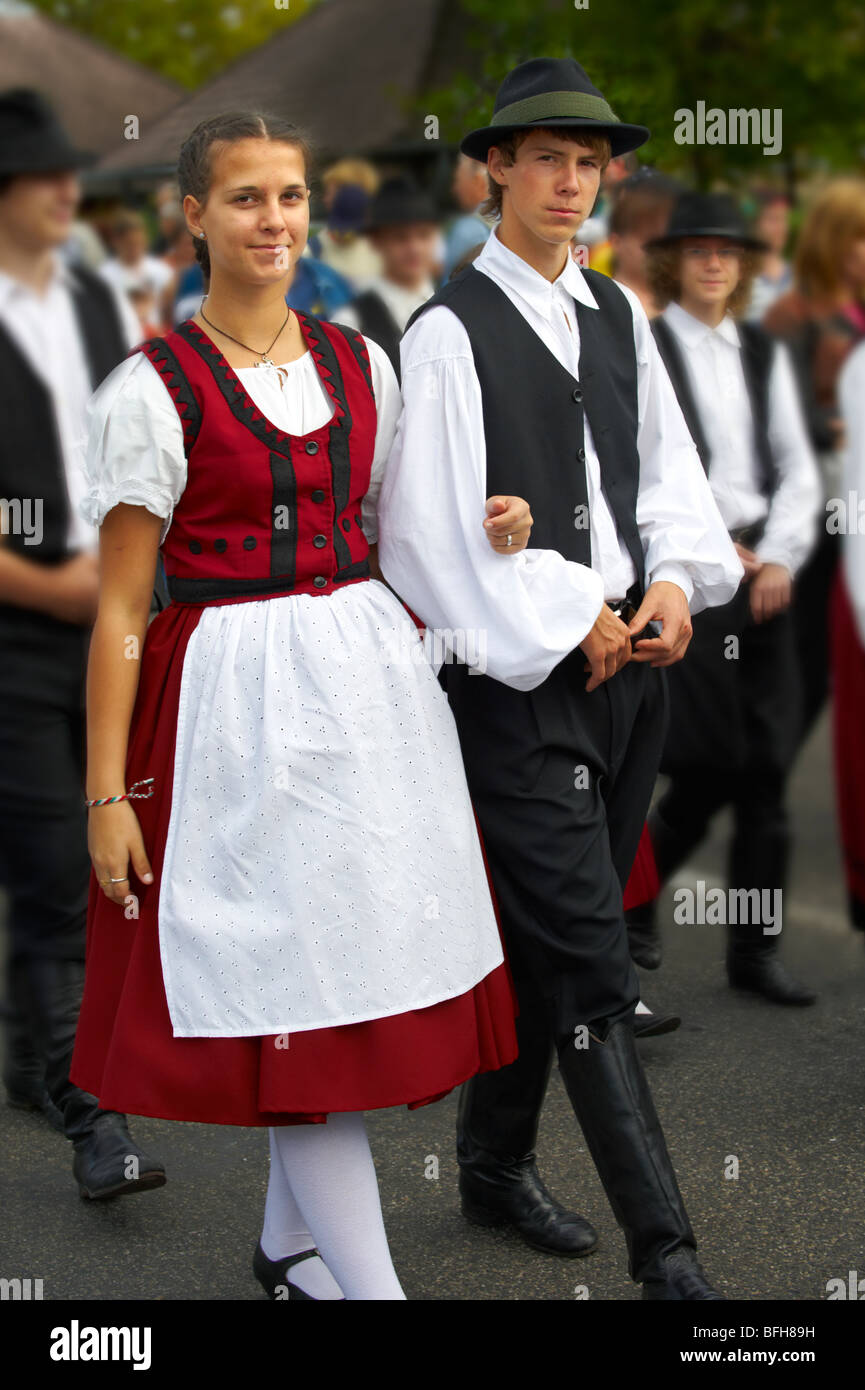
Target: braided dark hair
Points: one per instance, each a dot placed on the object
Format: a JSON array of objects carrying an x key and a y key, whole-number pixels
[{"x": 194, "y": 165}]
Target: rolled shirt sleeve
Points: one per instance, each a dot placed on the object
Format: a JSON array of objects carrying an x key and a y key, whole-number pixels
[
  {"x": 791, "y": 526},
  {"x": 519, "y": 615},
  {"x": 684, "y": 538}
]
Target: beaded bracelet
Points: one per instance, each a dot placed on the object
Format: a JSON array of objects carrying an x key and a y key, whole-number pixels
[{"x": 126, "y": 796}]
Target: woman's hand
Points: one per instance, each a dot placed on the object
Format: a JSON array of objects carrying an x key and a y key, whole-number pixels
[
  {"x": 508, "y": 516},
  {"x": 114, "y": 839}
]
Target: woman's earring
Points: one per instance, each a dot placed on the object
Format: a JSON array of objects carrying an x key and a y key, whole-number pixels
[{"x": 201, "y": 234}]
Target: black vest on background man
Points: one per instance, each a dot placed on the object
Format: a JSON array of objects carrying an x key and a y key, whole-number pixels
[
  {"x": 31, "y": 459},
  {"x": 535, "y": 411},
  {"x": 757, "y": 354},
  {"x": 376, "y": 321}
]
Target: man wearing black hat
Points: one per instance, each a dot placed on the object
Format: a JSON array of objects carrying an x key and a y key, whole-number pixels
[
  {"x": 402, "y": 224},
  {"x": 735, "y": 701},
  {"x": 528, "y": 375},
  {"x": 61, "y": 331}
]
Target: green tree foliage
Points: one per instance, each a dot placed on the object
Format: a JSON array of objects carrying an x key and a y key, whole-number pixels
[
  {"x": 654, "y": 57},
  {"x": 188, "y": 41}
]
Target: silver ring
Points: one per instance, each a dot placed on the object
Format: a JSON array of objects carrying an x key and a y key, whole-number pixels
[
  {"x": 510, "y": 540},
  {"x": 124, "y": 879}
]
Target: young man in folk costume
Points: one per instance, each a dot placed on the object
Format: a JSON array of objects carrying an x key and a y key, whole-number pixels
[
  {"x": 61, "y": 330},
  {"x": 527, "y": 374},
  {"x": 735, "y": 706}
]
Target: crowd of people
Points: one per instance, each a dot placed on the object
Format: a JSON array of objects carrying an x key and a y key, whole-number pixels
[{"x": 595, "y": 416}]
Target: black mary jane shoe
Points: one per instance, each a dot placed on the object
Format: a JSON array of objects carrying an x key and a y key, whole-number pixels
[
  {"x": 684, "y": 1280},
  {"x": 273, "y": 1276}
]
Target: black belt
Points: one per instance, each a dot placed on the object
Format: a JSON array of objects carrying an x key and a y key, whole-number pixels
[
  {"x": 626, "y": 608},
  {"x": 749, "y": 536}
]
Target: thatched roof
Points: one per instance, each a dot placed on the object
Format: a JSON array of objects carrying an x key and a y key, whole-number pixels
[
  {"x": 91, "y": 88},
  {"x": 341, "y": 72}
]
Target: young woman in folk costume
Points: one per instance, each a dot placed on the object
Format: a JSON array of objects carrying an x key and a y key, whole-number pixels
[{"x": 308, "y": 931}]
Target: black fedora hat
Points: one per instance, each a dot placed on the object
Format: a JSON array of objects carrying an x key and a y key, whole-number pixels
[
  {"x": 400, "y": 200},
  {"x": 32, "y": 140},
  {"x": 552, "y": 92},
  {"x": 707, "y": 214}
]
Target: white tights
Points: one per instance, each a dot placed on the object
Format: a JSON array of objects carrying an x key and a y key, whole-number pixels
[{"x": 323, "y": 1192}]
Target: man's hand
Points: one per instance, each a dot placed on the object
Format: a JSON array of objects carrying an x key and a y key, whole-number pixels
[
  {"x": 607, "y": 646},
  {"x": 771, "y": 592},
  {"x": 508, "y": 516},
  {"x": 665, "y": 603},
  {"x": 749, "y": 560}
]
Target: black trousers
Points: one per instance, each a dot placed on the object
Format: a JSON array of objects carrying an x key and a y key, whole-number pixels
[
  {"x": 735, "y": 721},
  {"x": 561, "y": 781},
  {"x": 44, "y": 861}
]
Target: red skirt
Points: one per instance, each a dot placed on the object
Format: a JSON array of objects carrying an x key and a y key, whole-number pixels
[
  {"x": 125, "y": 1051},
  {"x": 848, "y": 726},
  {"x": 643, "y": 884}
]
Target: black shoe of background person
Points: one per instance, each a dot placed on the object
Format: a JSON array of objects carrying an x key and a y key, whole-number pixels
[
  {"x": 763, "y": 973},
  {"x": 108, "y": 1163},
  {"x": 651, "y": 1025},
  {"x": 685, "y": 1281},
  {"x": 511, "y": 1193},
  {"x": 644, "y": 935}
]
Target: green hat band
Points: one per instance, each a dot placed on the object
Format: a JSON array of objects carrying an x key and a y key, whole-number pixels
[{"x": 553, "y": 105}]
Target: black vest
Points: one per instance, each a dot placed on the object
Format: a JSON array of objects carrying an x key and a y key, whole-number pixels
[
  {"x": 533, "y": 410},
  {"x": 376, "y": 321},
  {"x": 757, "y": 351},
  {"x": 31, "y": 462}
]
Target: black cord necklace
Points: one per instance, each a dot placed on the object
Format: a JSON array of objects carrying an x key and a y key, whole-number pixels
[{"x": 265, "y": 359}]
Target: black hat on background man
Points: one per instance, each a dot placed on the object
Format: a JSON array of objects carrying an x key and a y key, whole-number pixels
[
  {"x": 32, "y": 140},
  {"x": 400, "y": 200},
  {"x": 552, "y": 92},
  {"x": 707, "y": 214}
]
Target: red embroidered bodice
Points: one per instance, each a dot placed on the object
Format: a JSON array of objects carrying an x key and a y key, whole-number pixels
[{"x": 265, "y": 512}]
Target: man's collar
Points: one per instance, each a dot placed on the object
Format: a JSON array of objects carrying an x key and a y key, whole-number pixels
[
  {"x": 693, "y": 331},
  {"x": 61, "y": 275},
  {"x": 528, "y": 282}
]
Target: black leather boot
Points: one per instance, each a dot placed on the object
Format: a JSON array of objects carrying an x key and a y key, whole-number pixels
[
  {"x": 612, "y": 1102},
  {"x": 107, "y": 1162},
  {"x": 23, "y": 1068},
  {"x": 758, "y": 860},
  {"x": 644, "y": 935},
  {"x": 497, "y": 1126}
]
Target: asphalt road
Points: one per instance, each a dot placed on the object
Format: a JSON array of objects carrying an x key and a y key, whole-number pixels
[{"x": 781, "y": 1091}]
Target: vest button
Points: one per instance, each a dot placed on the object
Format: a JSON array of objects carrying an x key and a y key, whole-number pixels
[
  {"x": 577, "y": 394},
  {"x": 220, "y": 545},
  {"x": 346, "y": 524},
  {"x": 319, "y": 581},
  {"x": 249, "y": 542},
  {"x": 318, "y": 495},
  {"x": 319, "y": 541},
  {"x": 195, "y": 547},
  {"x": 581, "y": 455},
  {"x": 311, "y": 446}
]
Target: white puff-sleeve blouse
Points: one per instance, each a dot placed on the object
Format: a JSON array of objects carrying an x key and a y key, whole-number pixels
[{"x": 134, "y": 450}]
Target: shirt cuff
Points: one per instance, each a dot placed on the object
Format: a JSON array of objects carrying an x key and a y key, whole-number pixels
[
  {"x": 669, "y": 572},
  {"x": 775, "y": 555}
]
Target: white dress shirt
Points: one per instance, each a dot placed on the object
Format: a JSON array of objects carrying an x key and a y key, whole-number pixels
[
  {"x": 535, "y": 607},
  {"x": 400, "y": 301},
  {"x": 45, "y": 328},
  {"x": 713, "y": 361},
  {"x": 851, "y": 398}
]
